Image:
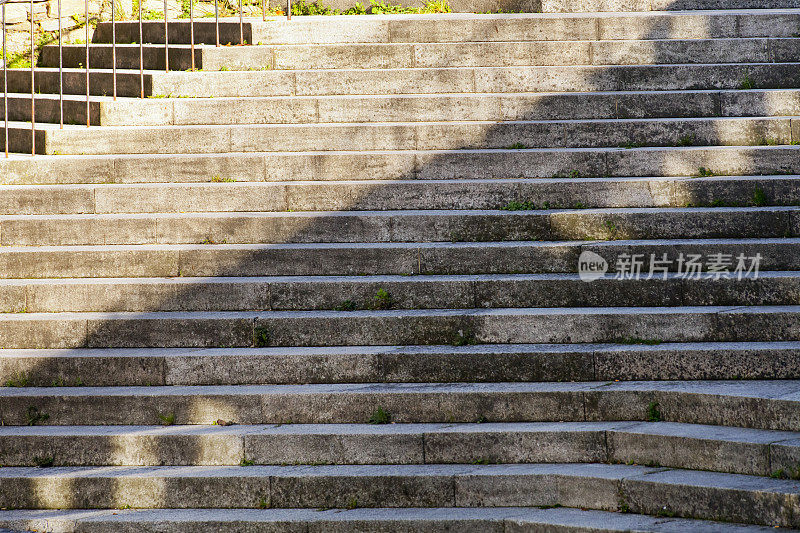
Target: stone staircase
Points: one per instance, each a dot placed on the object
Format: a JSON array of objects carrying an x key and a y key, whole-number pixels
[{"x": 331, "y": 281}]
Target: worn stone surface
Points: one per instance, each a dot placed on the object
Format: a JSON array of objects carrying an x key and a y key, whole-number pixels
[{"x": 346, "y": 268}]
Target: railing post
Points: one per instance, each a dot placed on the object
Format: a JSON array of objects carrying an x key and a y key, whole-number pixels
[
  {"x": 60, "y": 72},
  {"x": 288, "y": 9},
  {"x": 263, "y": 12},
  {"x": 191, "y": 29},
  {"x": 86, "y": 4},
  {"x": 141, "y": 54},
  {"x": 5, "y": 79},
  {"x": 33, "y": 91},
  {"x": 216, "y": 16},
  {"x": 113, "y": 47},
  {"x": 241, "y": 24},
  {"x": 166, "y": 39}
]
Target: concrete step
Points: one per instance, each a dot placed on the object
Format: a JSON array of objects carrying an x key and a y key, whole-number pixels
[
  {"x": 516, "y": 194},
  {"x": 666, "y": 444},
  {"x": 408, "y": 108},
  {"x": 399, "y": 327},
  {"x": 428, "y": 55},
  {"x": 407, "y": 364},
  {"x": 356, "y": 364},
  {"x": 731, "y": 131},
  {"x": 416, "y": 80},
  {"x": 400, "y": 226},
  {"x": 331, "y": 259},
  {"x": 686, "y": 493},
  {"x": 394, "y": 165},
  {"x": 418, "y": 520},
  {"x": 468, "y": 27},
  {"x": 749, "y": 404},
  {"x": 402, "y": 292}
]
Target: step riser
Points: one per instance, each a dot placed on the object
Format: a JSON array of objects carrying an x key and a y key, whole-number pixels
[
  {"x": 225, "y": 139},
  {"x": 434, "y": 55},
  {"x": 310, "y": 110},
  {"x": 100, "y": 83},
  {"x": 402, "y": 367},
  {"x": 462, "y": 80},
  {"x": 372, "y": 226},
  {"x": 179, "y": 31},
  {"x": 390, "y": 328},
  {"x": 422, "y": 29},
  {"x": 426, "y": 405},
  {"x": 386, "y": 259},
  {"x": 402, "y": 165},
  {"x": 455, "y": 294},
  {"x": 466, "y": 489},
  {"x": 418, "y": 447},
  {"x": 47, "y": 110},
  {"x": 255, "y": 197},
  {"x": 476, "y": 80}
]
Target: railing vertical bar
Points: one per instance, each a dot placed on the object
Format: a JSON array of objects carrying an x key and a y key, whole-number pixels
[
  {"x": 33, "y": 91},
  {"x": 241, "y": 24},
  {"x": 288, "y": 9},
  {"x": 5, "y": 80},
  {"x": 191, "y": 28},
  {"x": 114, "y": 47},
  {"x": 86, "y": 4},
  {"x": 166, "y": 39},
  {"x": 60, "y": 72},
  {"x": 263, "y": 11},
  {"x": 141, "y": 54},
  {"x": 216, "y": 17}
]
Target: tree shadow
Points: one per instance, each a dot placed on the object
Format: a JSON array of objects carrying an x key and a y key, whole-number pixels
[{"x": 538, "y": 173}]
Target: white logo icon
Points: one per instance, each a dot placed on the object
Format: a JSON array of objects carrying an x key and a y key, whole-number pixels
[{"x": 591, "y": 266}]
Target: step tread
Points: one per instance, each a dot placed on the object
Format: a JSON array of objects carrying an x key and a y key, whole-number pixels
[
  {"x": 75, "y": 353},
  {"x": 603, "y": 149},
  {"x": 396, "y": 245},
  {"x": 667, "y": 429},
  {"x": 160, "y": 186},
  {"x": 211, "y": 47},
  {"x": 636, "y": 473},
  {"x": 784, "y": 390},
  {"x": 272, "y": 72},
  {"x": 418, "y": 313},
  {"x": 403, "y": 213},
  {"x": 366, "y": 279},
  {"x": 421, "y": 95},
  {"x": 220, "y": 519},
  {"x": 52, "y": 127}
]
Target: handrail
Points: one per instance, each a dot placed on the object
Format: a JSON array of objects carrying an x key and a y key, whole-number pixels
[
  {"x": 113, "y": 56},
  {"x": 33, "y": 91},
  {"x": 5, "y": 78}
]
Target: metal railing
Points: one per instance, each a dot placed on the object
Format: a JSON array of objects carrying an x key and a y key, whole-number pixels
[{"x": 113, "y": 56}]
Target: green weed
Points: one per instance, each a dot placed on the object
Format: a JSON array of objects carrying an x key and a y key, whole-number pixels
[
  {"x": 759, "y": 198},
  {"x": 19, "y": 379},
  {"x": 261, "y": 337},
  {"x": 519, "y": 206},
  {"x": 34, "y": 417},
  {"x": 653, "y": 414},
  {"x": 43, "y": 462},
  {"x": 382, "y": 300},
  {"x": 379, "y": 416}
]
